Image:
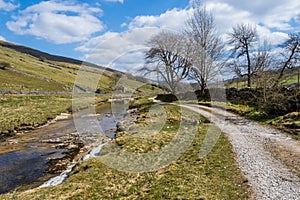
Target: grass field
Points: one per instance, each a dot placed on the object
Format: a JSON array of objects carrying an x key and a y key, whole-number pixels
[
  {"x": 21, "y": 111},
  {"x": 18, "y": 112},
  {"x": 290, "y": 78},
  {"x": 216, "y": 176},
  {"x": 23, "y": 83}
]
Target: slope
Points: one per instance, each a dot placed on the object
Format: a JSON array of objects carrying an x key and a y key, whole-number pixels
[{"x": 29, "y": 70}]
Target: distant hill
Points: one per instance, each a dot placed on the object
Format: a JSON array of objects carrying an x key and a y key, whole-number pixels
[
  {"x": 27, "y": 70},
  {"x": 47, "y": 56}
]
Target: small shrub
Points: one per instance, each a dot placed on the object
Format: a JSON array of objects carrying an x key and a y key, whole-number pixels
[
  {"x": 98, "y": 91},
  {"x": 4, "y": 65},
  {"x": 166, "y": 97}
]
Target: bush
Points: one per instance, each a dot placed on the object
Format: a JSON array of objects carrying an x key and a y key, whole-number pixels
[
  {"x": 4, "y": 65},
  {"x": 166, "y": 97},
  {"x": 98, "y": 91}
]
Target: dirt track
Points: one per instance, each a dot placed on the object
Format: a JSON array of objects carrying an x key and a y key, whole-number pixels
[{"x": 268, "y": 158}]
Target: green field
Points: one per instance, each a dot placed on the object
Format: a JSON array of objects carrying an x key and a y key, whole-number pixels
[
  {"x": 28, "y": 111},
  {"x": 290, "y": 77},
  {"x": 24, "y": 73},
  {"x": 19, "y": 82}
]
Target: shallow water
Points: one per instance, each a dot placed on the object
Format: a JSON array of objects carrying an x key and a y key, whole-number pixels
[{"x": 23, "y": 158}]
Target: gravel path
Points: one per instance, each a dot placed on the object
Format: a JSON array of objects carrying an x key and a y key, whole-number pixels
[{"x": 269, "y": 177}]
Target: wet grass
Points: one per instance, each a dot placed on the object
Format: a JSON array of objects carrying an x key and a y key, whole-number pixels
[{"x": 215, "y": 176}]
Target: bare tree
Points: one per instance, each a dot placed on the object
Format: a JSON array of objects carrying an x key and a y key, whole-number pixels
[
  {"x": 262, "y": 64},
  {"x": 290, "y": 54},
  {"x": 262, "y": 58},
  {"x": 168, "y": 57},
  {"x": 243, "y": 38},
  {"x": 207, "y": 46}
]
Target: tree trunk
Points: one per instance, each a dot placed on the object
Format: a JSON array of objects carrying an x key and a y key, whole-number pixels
[
  {"x": 249, "y": 69},
  {"x": 285, "y": 65}
]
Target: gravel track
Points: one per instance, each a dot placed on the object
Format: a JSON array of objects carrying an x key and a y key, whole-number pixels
[{"x": 268, "y": 176}]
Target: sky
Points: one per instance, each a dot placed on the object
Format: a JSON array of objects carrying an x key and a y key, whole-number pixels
[{"x": 114, "y": 33}]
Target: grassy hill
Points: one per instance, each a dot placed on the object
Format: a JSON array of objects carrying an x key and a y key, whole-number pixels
[
  {"x": 44, "y": 55},
  {"x": 29, "y": 70}
]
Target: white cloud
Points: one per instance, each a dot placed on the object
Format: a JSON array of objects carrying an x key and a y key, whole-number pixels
[
  {"x": 120, "y": 1},
  {"x": 123, "y": 25},
  {"x": 172, "y": 19},
  {"x": 59, "y": 22},
  {"x": 123, "y": 51},
  {"x": 2, "y": 38},
  {"x": 226, "y": 16},
  {"x": 271, "y": 13},
  {"x": 275, "y": 38},
  {"x": 272, "y": 17},
  {"x": 7, "y": 6}
]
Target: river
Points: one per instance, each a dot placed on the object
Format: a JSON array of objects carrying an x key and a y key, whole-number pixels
[{"x": 23, "y": 158}]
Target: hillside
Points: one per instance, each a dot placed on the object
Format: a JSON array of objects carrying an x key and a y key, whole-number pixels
[
  {"x": 289, "y": 79},
  {"x": 46, "y": 56},
  {"x": 24, "y": 69}
]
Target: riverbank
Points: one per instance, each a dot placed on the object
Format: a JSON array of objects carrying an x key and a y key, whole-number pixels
[
  {"x": 53, "y": 148},
  {"x": 21, "y": 113}
]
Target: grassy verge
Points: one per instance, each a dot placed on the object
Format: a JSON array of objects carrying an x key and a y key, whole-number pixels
[
  {"x": 19, "y": 112},
  {"x": 214, "y": 177},
  {"x": 289, "y": 123}
]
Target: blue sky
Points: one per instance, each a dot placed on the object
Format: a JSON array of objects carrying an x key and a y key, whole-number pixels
[
  {"x": 112, "y": 14},
  {"x": 113, "y": 33}
]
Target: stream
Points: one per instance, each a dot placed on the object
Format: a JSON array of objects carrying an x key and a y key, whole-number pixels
[{"x": 23, "y": 158}]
